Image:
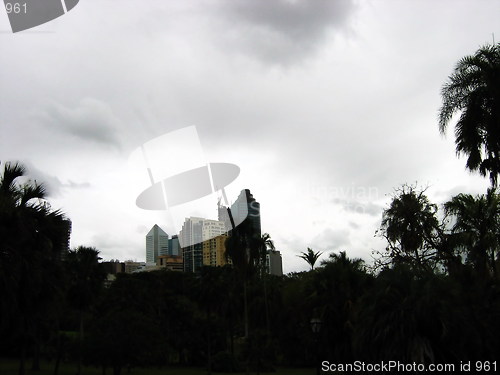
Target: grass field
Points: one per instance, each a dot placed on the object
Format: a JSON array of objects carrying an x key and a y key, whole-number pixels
[{"x": 10, "y": 367}]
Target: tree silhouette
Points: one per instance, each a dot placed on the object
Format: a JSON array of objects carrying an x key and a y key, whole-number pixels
[
  {"x": 339, "y": 283},
  {"x": 473, "y": 89},
  {"x": 31, "y": 236},
  {"x": 244, "y": 248},
  {"x": 410, "y": 227},
  {"x": 87, "y": 277},
  {"x": 310, "y": 257},
  {"x": 477, "y": 229}
]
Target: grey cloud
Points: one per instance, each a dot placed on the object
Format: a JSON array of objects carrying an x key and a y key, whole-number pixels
[
  {"x": 283, "y": 31},
  {"x": 330, "y": 239},
  {"x": 111, "y": 244},
  {"x": 91, "y": 120},
  {"x": 354, "y": 226},
  {"x": 363, "y": 208}
]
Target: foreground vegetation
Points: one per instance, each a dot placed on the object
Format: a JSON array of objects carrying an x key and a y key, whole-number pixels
[{"x": 10, "y": 367}]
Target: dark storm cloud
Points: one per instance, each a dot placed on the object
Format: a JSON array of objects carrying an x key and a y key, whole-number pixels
[
  {"x": 90, "y": 120},
  {"x": 283, "y": 31}
]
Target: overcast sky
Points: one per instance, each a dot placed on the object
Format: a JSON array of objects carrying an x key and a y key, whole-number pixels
[{"x": 326, "y": 106}]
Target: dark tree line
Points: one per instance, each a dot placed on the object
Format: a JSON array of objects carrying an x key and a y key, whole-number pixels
[{"x": 434, "y": 299}]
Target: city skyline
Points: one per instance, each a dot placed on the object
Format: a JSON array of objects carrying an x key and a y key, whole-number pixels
[{"x": 201, "y": 241}]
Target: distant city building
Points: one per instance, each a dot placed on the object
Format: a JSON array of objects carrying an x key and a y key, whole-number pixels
[
  {"x": 191, "y": 232},
  {"x": 202, "y": 241},
  {"x": 193, "y": 235},
  {"x": 174, "y": 247},
  {"x": 170, "y": 262},
  {"x": 247, "y": 208},
  {"x": 212, "y": 228},
  {"x": 190, "y": 239},
  {"x": 156, "y": 244},
  {"x": 214, "y": 251},
  {"x": 274, "y": 265},
  {"x": 223, "y": 215}
]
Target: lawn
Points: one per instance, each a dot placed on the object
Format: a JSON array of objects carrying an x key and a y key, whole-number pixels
[{"x": 10, "y": 367}]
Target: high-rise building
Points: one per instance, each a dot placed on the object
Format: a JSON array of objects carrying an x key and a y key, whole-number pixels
[
  {"x": 212, "y": 228},
  {"x": 214, "y": 251},
  {"x": 190, "y": 239},
  {"x": 274, "y": 265},
  {"x": 174, "y": 248},
  {"x": 202, "y": 241},
  {"x": 247, "y": 208},
  {"x": 223, "y": 215},
  {"x": 156, "y": 244}
]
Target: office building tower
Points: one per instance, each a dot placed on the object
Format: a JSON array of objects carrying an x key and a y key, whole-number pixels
[
  {"x": 212, "y": 228},
  {"x": 223, "y": 215},
  {"x": 214, "y": 251},
  {"x": 193, "y": 238},
  {"x": 274, "y": 265},
  {"x": 190, "y": 240},
  {"x": 156, "y": 244},
  {"x": 247, "y": 208},
  {"x": 174, "y": 248}
]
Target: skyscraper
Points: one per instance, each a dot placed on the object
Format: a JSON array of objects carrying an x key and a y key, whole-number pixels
[
  {"x": 156, "y": 244},
  {"x": 190, "y": 239},
  {"x": 247, "y": 208},
  {"x": 214, "y": 237},
  {"x": 174, "y": 248},
  {"x": 196, "y": 233},
  {"x": 274, "y": 264},
  {"x": 214, "y": 251}
]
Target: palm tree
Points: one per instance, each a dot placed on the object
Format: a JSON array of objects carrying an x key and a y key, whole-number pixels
[
  {"x": 477, "y": 228},
  {"x": 474, "y": 90},
  {"x": 310, "y": 257},
  {"x": 409, "y": 225},
  {"x": 30, "y": 244}
]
